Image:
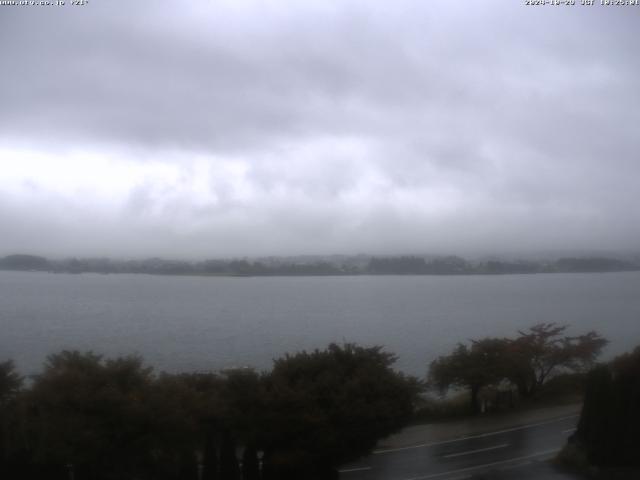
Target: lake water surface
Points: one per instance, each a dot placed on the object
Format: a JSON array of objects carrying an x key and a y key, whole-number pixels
[{"x": 209, "y": 323}]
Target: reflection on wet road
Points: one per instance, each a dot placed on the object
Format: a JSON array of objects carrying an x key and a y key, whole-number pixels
[{"x": 519, "y": 452}]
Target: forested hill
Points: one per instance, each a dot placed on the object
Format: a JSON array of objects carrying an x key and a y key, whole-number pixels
[{"x": 316, "y": 266}]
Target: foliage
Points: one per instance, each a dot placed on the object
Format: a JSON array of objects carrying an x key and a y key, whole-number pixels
[
  {"x": 432, "y": 409},
  {"x": 593, "y": 264},
  {"x": 332, "y": 265},
  {"x": 108, "y": 419},
  {"x": 10, "y": 388},
  {"x": 527, "y": 362},
  {"x": 331, "y": 406},
  {"x": 543, "y": 350},
  {"x": 610, "y": 420},
  {"x": 482, "y": 364},
  {"x": 10, "y": 381},
  {"x": 87, "y": 412},
  {"x": 418, "y": 266},
  {"x": 24, "y": 262}
]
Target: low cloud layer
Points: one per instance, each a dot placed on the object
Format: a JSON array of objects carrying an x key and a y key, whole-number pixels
[{"x": 220, "y": 128}]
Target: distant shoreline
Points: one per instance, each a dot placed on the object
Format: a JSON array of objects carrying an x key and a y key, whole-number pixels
[
  {"x": 328, "y": 275},
  {"x": 318, "y": 266}
]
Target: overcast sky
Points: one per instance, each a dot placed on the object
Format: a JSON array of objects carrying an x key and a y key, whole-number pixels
[{"x": 215, "y": 128}]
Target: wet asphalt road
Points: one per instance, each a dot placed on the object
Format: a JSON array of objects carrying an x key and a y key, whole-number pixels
[{"x": 514, "y": 453}]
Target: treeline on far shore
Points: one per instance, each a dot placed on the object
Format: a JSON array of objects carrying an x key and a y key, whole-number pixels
[{"x": 318, "y": 266}]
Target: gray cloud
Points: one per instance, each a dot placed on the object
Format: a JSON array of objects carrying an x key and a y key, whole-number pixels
[{"x": 225, "y": 128}]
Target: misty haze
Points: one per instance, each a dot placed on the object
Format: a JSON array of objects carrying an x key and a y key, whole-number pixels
[{"x": 273, "y": 240}]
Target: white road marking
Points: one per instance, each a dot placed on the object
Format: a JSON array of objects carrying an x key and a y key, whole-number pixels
[
  {"x": 485, "y": 465},
  {"x": 482, "y": 435},
  {"x": 471, "y": 452},
  {"x": 358, "y": 469},
  {"x": 569, "y": 430}
]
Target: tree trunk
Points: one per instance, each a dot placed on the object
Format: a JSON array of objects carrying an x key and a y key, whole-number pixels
[
  {"x": 210, "y": 459},
  {"x": 250, "y": 467},
  {"x": 229, "y": 468},
  {"x": 475, "y": 390}
]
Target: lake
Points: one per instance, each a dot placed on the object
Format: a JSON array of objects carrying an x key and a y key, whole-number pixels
[{"x": 210, "y": 323}]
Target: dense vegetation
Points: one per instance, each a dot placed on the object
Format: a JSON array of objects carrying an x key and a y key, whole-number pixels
[
  {"x": 525, "y": 363},
  {"x": 608, "y": 428},
  {"x": 87, "y": 417},
  {"x": 336, "y": 265}
]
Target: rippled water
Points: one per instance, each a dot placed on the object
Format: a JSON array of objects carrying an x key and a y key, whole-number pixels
[{"x": 197, "y": 323}]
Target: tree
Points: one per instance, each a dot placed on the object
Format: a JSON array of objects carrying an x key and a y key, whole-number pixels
[
  {"x": 180, "y": 413},
  {"x": 198, "y": 411},
  {"x": 483, "y": 363},
  {"x": 10, "y": 385},
  {"x": 10, "y": 382},
  {"x": 543, "y": 350},
  {"x": 91, "y": 413},
  {"x": 24, "y": 262},
  {"x": 243, "y": 422},
  {"x": 331, "y": 406},
  {"x": 610, "y": 419},
  {"x": 527, "y": 361},
  {"x": 397, "y": 265}
]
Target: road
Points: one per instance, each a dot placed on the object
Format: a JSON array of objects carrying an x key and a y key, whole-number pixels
[{"x": 512, "y": 453}]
